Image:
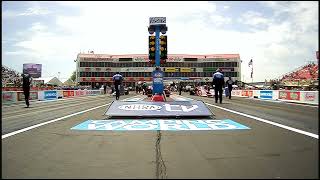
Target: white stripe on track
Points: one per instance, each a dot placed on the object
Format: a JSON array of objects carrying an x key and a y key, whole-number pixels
[
  {"x": 51, "y": 121},
  {"x": 268, "y": 122}
]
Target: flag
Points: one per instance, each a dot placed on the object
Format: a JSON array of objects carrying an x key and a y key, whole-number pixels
[
  {"x": 250, "y": 63},
  {"x": 251, "y": 72}
]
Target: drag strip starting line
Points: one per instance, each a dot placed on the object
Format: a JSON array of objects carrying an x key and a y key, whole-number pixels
[{"x": 269, "y": 122}]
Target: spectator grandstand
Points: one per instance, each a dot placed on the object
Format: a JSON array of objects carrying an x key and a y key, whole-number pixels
[
  {"x": 306, "y": 72},
  {"x": 10, "y": 77}
]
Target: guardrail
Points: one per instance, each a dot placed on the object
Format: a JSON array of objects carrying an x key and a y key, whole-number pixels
[{"x": 9, "y": 97}]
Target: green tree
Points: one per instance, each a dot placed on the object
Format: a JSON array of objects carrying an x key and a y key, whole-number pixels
[{"x": 73, "y": 76}]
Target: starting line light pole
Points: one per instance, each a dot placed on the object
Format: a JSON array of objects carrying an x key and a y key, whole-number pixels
[{"x": 157, "y": 25}]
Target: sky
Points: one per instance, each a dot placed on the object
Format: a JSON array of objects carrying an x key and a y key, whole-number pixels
[{"x": 279, "y": 36}]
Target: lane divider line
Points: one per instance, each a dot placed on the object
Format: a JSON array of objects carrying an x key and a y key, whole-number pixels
[
  {"x": 51, "y": 121},
  {"x": 48, "y": 122},
  {"x": 268, "y": 122}
]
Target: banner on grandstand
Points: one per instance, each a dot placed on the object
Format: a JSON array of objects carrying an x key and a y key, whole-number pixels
[
  {"x": 289, "y": 95},
  {"x": 33, "y": 69}
]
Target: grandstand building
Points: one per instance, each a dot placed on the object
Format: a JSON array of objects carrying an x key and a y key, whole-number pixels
[{"x": 97, "y": 69}]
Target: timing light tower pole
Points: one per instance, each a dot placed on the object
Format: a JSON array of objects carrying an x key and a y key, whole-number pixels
[{"x": 157, "y": 25}]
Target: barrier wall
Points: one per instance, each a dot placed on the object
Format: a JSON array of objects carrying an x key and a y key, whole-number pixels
[
  {"x": 9, "y": 97},
  {"x": 307, "y": 97}
]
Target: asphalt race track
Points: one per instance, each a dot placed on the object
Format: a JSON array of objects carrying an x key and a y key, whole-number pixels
[{"x": 265, "y": 150}]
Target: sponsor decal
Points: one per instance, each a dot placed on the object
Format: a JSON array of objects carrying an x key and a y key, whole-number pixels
[
  {"x": 50, "y": 94},
  {"x": 68, "y": 93},
  {"x": 139, "y": 107},
  {"x": 7, "y": 97},
  {"x": 266, "y": 94},
  {"x": 310, "y": 96},
  {"x": 148, "y": 107},
  {"x": 33, "y": 96},
  {"x": 161, "y": 124},
  {"x": 288, "y": 95}
]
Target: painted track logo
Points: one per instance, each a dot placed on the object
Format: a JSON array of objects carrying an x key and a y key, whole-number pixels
[{"x": 140, "y": 107}]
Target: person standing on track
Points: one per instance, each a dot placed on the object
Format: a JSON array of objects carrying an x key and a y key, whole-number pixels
[
  {"x": 117, "y": 79},
  {"x": 229, "y": 84},
  {"x": 26, "y": 81},
  {"x": 218, "y": 82}
]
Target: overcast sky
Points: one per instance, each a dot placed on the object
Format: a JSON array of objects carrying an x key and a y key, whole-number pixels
[{"x": 278, "y": 36}]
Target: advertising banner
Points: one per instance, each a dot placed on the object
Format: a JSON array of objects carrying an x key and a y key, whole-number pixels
[
  {"x": 68, "y": 93},
  {"x": 33, "y": 69},
  {"x": 157, "y": 81},
  {"x": 165, "y": 109},
  {"x": 265, "y": 94},
  {"x": 8, "y": 97},
  {"x": 171, "y": 69},
  {"x": 93, "y": 92},
  {"x": 33, "y": 96},
  {"x": 289, "y": 95},
  {"x": 187, "y": 70},
  {"x": 247, "y": 93},
  {"x": 50, "y": 94},
  {"x": 80, "y": 93},
  {"x": 310, "y": 96},
  {"x": 226, "y": 69},
  {"x": 209, "y": 69}
]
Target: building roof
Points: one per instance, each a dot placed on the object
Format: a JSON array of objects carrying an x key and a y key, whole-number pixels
[{"x": 81, "y": 55}]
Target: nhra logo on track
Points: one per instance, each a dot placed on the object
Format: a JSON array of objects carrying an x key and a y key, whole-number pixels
[
  {"x": 139, "y": 107},
  {"x": 158, "y": 75}
]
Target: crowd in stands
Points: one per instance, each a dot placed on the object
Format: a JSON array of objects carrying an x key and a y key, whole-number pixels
[
  {"x": 11, "y": 77},
  {"x": 309, "y": 71}
]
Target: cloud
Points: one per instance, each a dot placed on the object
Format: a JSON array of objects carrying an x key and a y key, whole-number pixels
[
  {"x": 32, "y": 11},
  {"x": 254, "y": 19},
  {"x": 121, "y": 28}
]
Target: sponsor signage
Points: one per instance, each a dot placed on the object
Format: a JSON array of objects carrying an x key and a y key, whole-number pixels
[
  {"x": 93, "y": 92},
  {"x": 266, "y": 94},
  {"x": 247, "y": 93},
  {"x": 171, "y": 69},
  {"x": 33, "y": 96},
  {"x": 289, "y": 95},
  {"x": 310, "y": 96},
  {"x": 8, "y": 97},
  {"x": 227, "y": 69},
  {"x": 210, "y": 69},
  {"x": 161, "y": 124},
  {"x": 150, "y": 109},
  {"x": 33, "y": 69},
  {"x": 174, "y": 59},
  {"x": 187, "y": 70},
  {"x": 137, "y": 69},
  {"x": 50, "y": 94},
  {"x": 68, "y": 93},
  {"x": 80, "y": 93},
  {"x": 157, "y": 76},
  {"x": 157, "y": 20}
]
